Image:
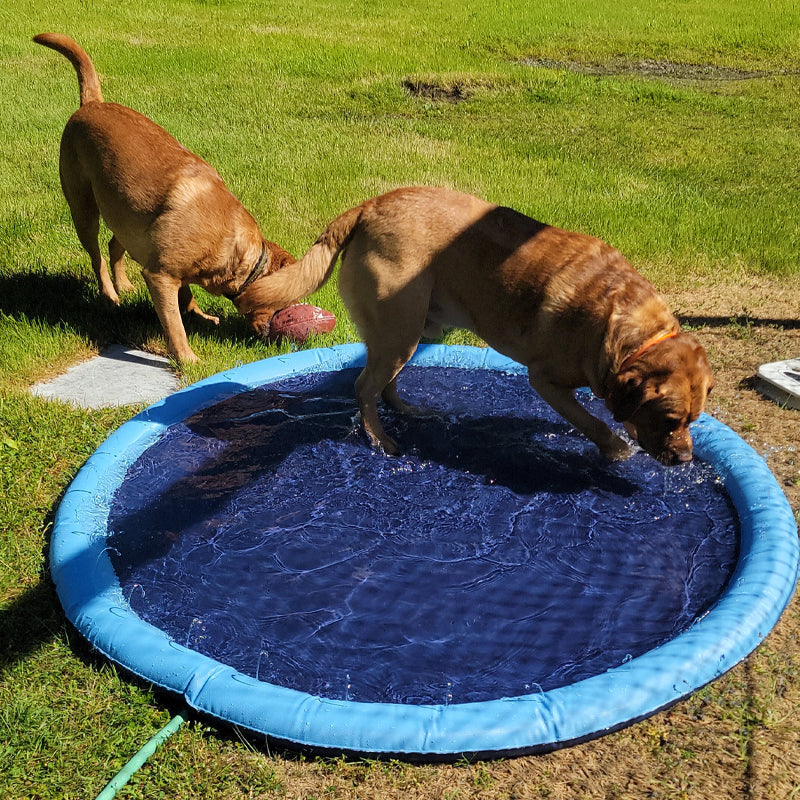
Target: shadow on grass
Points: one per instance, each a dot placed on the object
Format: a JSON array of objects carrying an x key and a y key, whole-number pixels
[
  {"x": 741, "y": 321},
  {"x": 35, "y": 617},
  {"x": 30, "y": 621},
  {"x": 59, "y": 299},
  {"x": 55, "y": 299}
]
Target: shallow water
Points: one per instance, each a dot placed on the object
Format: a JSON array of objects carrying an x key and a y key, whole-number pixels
[{"x": 501, "y": 555}]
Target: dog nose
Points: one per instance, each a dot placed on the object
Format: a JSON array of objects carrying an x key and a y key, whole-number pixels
[
  {"x": 673, "y": 458},
  {"x": 681, "y": 456}
]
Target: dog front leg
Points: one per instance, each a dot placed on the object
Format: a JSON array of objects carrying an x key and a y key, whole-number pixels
[
  {"x": 563, "y": 400},
  {"x": 187, "y": 304},
  {"x": 165, "y": 291}
]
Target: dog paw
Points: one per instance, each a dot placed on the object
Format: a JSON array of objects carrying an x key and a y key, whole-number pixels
[
  {"x": 124, "y": 285},
  {"x": 388, "y": 446},
  {"x": 377, "y": 437},
  {"x": 207, "y": 317},
  {"x": 617, "y": 450},
  {"x": 385, "y": 444},
  {"x": 188, "y": 357},
  {"x": 110, "y": 298}
]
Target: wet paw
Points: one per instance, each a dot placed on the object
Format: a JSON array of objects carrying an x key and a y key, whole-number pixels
[{"x": 617, "y": 449}]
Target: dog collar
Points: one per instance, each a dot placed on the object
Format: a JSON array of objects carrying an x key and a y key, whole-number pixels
[
  {"x": 254, "y": 273},
  {"x": 644, "y": 348}
]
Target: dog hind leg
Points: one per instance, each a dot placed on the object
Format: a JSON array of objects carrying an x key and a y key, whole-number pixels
[
  {"x": 379, "y": 378},
  {"x": 86, "y": 219},
  {"x": 391, "y": 330},
  {"x": 116, "y": 257},
  {"x": 393, "y": 400}
]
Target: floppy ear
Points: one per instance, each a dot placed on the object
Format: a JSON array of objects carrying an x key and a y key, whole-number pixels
[{"x": 629, "y": 391}]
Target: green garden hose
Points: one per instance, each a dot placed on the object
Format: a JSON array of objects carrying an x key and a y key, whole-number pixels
[{"x": 136, "y": 763}]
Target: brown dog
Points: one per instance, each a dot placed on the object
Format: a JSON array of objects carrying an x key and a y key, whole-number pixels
[
  {"x": 165, "y": 206},
  {"x": 566, "y": 305}
]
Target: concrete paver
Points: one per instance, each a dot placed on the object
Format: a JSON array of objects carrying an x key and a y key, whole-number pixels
[{"x": 119, "y": 376}]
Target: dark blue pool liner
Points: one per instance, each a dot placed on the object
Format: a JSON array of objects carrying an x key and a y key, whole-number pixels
[{"x": 759, "y": 589}]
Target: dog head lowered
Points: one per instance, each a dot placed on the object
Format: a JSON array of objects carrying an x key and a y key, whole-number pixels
[
  {"x": 659, "y": 391},
  {"x": 248, "y": 297}
]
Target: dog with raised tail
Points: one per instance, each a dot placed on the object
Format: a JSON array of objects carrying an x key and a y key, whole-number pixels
[
  {"x": 165, "y": 206},
  {"x": 566, "y": 305}
]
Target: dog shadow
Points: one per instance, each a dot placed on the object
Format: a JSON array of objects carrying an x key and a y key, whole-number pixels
[
  {"x": 527, "y": 456},
  {"x": 231, "y": 446},
  {"x": 58, "y": 300}
]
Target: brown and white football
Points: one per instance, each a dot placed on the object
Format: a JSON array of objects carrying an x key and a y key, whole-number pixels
[{"x": 299, "y": 321}]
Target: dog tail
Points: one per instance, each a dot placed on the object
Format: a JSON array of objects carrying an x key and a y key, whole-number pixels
[
  {"x": 88, "y": 82},
  {"x": 293, "y": 282}
]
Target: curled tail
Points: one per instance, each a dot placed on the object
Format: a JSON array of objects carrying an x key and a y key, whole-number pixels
[
  {"x": 88, "y": 82},
  {"x": 295, "y": 281}
]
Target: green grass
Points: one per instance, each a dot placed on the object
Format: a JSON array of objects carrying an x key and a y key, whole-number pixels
[{"x": 302, "y": 109}]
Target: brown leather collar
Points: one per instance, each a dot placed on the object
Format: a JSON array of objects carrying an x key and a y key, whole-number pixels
[
  {"x": 254, "y": 273},
  {"x": 644, "y": 348}
]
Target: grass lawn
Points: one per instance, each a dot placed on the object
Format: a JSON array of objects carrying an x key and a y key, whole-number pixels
[{"x": 672, "y": 130}]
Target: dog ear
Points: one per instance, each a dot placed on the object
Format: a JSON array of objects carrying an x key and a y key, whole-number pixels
[
  {"x": 626, "y": 394},
  {"x": 631, "y": 391}
]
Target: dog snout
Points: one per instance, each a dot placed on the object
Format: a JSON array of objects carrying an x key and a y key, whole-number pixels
[
  {"x": 260, "y": 323},
  {"x": 674, "y": 458},
  {"x": 674, "y": 453},
  {"x": 671, "y": 451}
]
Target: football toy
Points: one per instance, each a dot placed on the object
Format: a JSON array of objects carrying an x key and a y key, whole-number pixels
[{"x": 300, "y": 321}]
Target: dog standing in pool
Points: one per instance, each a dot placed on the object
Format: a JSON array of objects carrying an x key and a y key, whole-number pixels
[{"x": 568, "y": 306}]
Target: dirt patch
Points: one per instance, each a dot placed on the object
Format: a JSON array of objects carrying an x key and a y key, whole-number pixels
[
  {"x": 437, "y": 92},
  {"x": 742, "y": 327},
  {"x": 654, "y": 68},
  {"x": 736, "y": 351}
]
